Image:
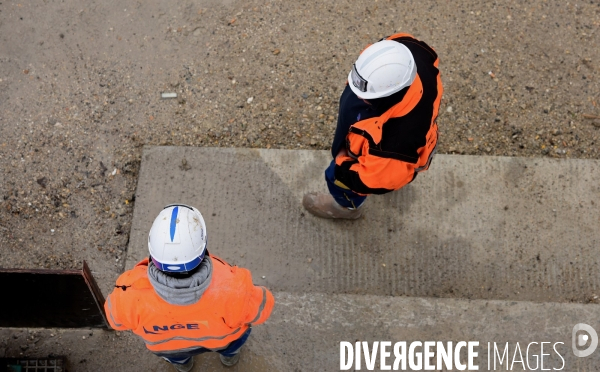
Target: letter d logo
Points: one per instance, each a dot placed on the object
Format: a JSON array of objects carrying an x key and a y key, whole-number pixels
[{"x": 582, "y": 339}]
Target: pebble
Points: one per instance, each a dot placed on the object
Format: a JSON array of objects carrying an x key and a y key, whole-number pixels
[
  {"x": 449, "y": 109},
  {"x": 249, "y": 100}
]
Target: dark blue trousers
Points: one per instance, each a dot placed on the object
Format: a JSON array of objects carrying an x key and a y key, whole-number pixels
[
  {"x": 352, "y": 109},
  {"x": 344, "y": 197}
]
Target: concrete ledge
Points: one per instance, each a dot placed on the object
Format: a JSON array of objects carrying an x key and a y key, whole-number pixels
[
  {"x": 305, "y": 330},
  {"x": 470, "y": 227}
]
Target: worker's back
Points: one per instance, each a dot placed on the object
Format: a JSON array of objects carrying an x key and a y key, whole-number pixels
[{"x": 223, "y": 313}]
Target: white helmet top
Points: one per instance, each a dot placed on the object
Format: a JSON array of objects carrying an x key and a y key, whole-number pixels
[
  {"x": 177, "y": 239},
  {"x": 382, "y": 69}
]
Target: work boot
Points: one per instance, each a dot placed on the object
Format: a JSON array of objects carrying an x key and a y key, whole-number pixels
[
  {"x": 187, "y": 367},
  {"x": 324, "y": 205},
  {"x": 229, "y": 361}
]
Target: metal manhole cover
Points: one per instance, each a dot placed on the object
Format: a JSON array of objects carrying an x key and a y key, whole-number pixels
[{"x": 56, "y": 364}]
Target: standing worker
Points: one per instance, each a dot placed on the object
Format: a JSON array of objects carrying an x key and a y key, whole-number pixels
[
  {"x": 183, "y": 301},
  {"x": 387, "y": 131}
]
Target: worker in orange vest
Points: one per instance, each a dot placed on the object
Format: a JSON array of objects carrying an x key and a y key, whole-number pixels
[
  {"x": 183, "y": 301},
  {"x": 387, "y": 131}
]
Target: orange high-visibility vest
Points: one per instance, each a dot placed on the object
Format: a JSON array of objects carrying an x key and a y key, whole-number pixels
[
  {"x": 386, "y": 152},
  {"x": 228, "y": 307}
]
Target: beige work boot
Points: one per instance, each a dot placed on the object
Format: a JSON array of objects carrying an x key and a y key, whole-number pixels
[{"x": 324, "y": 205}]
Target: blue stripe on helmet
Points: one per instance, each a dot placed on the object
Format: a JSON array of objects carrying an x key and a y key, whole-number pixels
[{"x": 174, "y": 222}]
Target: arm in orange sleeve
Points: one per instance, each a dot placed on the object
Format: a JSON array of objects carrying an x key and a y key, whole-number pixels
[
  {"x": 116, "y": 320},
  {"x": 260, "y": 305},
  {"x": 373, "y": 175}
]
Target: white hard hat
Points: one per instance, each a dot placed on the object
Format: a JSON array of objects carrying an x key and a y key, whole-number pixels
[
  {"x": 382, "y": 69},
  {"x": 177, "y": 239}
]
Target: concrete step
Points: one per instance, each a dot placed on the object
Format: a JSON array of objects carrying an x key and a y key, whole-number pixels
[
  {"x": 305, "y": 331},
  {"x": 471, "y": 227}
]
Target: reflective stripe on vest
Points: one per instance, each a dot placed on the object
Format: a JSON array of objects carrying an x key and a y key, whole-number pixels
[
  {"x": 262, "y": 305},
  {"x": 199, "y": 339},
  {"x": 110, "y": 313}
]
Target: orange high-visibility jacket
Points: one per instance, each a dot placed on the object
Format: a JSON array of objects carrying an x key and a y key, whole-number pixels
[
  {"x": 230, "y": 305},
  {"x": 387, "y": 151}
]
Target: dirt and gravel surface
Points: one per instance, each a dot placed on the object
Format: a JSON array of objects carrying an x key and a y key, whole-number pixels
[{"x": 80, "y": 85}]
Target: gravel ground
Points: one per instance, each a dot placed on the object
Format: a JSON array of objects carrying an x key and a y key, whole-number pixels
[
  {"x": 80, "y": 85},
  {"x": 80, "y": 92}
]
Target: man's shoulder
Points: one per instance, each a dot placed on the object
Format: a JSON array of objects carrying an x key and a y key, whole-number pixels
[
  {"x": 222, "y": 270},
  {"x": 136, "y": 277},
  {"x": 216, "y": 260},
  {"x": 421, "y": 51}
]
